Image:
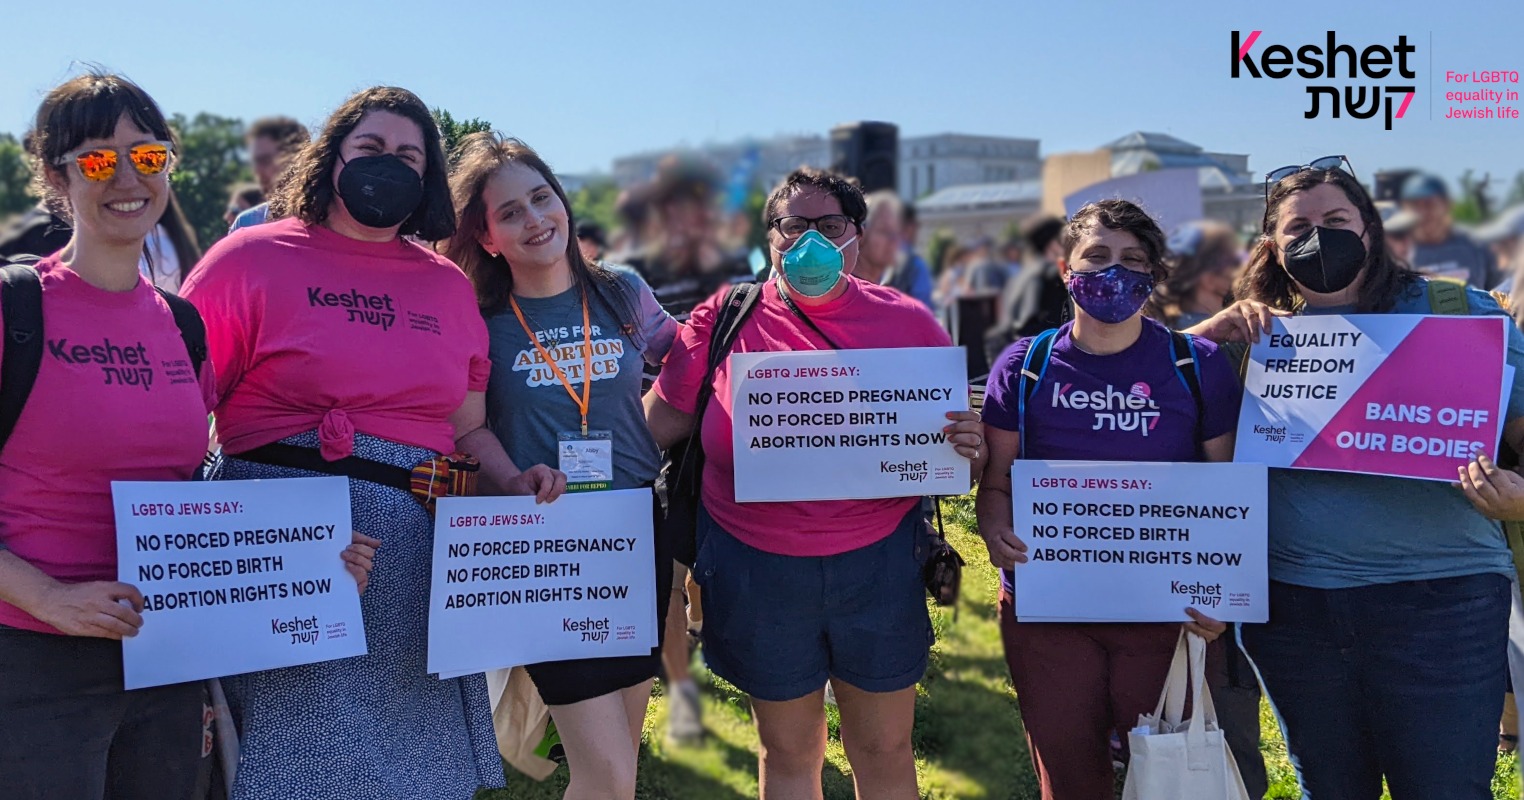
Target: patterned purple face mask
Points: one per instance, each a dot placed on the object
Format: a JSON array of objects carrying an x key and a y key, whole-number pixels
[{"x": 1111, "y": 295}]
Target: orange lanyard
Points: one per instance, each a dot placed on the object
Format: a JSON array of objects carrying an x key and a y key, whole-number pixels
[{"x": 587, "y": 358}]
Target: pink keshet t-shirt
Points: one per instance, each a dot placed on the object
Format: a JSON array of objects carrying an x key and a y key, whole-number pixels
[
  {"x": 115, "y": 400},
  {"x": 866, "y": 316},
  {"x": 313, "y": 330}
]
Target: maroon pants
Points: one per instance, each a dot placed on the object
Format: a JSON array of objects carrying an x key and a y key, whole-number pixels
[{"x": 1077, "y": 683}]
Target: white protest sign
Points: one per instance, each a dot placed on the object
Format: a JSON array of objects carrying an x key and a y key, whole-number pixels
[
  {"x": 236, "y": 576},
  {"x": 847, "y": 424},
  {"x": 1138, "y": 542},
  {"x": 516, "y": 582},
  {"x": 1384, "y": 394}
]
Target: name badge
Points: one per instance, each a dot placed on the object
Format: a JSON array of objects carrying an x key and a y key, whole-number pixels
[{"x": 588, "y": 461}]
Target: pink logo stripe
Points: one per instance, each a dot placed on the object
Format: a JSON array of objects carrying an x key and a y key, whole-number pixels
[{"x": 1253, "y": 37}]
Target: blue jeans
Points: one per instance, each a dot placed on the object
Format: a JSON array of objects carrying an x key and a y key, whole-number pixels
[{"x": 1401, "y": 680}]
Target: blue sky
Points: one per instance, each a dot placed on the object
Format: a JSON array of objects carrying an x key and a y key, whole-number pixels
[{"x": 586, "y": 81}]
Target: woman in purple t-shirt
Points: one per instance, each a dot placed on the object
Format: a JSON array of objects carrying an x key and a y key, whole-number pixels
[{"x": 1110, "y": 392}]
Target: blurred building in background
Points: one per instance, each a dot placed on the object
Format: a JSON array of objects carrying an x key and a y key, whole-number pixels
[{"x": 930, "y": 163}]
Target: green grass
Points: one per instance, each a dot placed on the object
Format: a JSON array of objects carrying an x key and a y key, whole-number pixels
[{"x": 968, "y": 738}]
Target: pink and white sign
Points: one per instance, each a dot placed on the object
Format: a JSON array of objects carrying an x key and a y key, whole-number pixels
[{"x": 1384, "y": 394}]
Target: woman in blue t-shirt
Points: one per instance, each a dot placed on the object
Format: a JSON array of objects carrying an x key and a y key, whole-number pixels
[
  {"x": 568, "y": 339},
  {"x": 1111, "y": 392},
  {"x": 1389, "y": 598}
]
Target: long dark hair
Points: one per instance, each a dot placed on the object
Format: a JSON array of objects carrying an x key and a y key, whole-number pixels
[
  {"x": 306, "y": 189},
  {"x": 477, "y": 158},
  {"x": 181, "y": 236},
  {"x": 1265, "y": 280}
]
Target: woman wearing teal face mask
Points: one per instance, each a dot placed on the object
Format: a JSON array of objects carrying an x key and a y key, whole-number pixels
[{"x": 799, "y": 593}]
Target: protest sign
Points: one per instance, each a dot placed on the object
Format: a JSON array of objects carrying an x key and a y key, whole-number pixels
[
  {"x": 1383, "y": 394},
  {"x": 847, "y": 424},
  {"x": 236, "y": 576},
  {"x": 516, "y": 582},
  {"x": 1138, "y": 542}
]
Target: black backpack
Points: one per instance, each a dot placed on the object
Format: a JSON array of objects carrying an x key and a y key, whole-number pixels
[
  {"x": 21, "y": 308},
  {"x": 677, "y": 486}
]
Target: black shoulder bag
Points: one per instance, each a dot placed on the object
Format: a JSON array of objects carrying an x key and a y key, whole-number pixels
[{"x": 677, "y": 486}]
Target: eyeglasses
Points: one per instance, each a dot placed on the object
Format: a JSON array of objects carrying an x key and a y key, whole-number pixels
[
  {"x": 793, "y": 227},
  {"x": 99, "y": 164}
]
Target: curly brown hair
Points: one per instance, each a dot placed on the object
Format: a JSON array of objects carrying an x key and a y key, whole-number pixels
[
  {"x": 1118, "y": 215},
  {"x": 1266, "y": 280},
  {"x": 306, "y": 187}
]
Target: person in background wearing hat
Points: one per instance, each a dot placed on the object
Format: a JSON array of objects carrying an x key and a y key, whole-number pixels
[
  {"x": 1440, "y": 249},
  {"x": 590, "y": 241},
  {"x": 1505, "y": 235}
]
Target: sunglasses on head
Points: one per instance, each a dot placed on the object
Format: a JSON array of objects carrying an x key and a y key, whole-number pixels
[
  {"x": 99, "y": 163},
  {"x": 1325, "y": 164}
]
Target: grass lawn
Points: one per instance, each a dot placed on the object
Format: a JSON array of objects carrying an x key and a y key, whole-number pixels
[{"x": 968, "y": 735}]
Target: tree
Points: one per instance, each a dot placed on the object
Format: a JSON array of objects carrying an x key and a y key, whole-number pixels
[
  {"x": 1516, "y": 193},
  {"x": 594, "y": 202},
  {"x": 15, "y": 177},
  {"x": 210, "y": 161},
  {"x": 452, "y": 132}
]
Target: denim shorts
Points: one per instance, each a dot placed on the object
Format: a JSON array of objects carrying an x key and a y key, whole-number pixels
[{"x": 777, "y": 627}]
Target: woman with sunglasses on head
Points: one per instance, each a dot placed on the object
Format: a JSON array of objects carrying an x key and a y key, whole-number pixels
[
  {"x": 1080, "y": 684},
  {"x": 798, "y": 593},
  {"x": 1384, "y": 655},
  {"x": 101, "y": 154},
  {"x": 344, "y": 348},
  {"x": 568, "y": 342}
]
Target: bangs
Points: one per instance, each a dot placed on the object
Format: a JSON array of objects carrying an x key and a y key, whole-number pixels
[{"x": 89, "y": 108}]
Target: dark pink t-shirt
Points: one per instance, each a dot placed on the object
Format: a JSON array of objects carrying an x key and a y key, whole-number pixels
[
  {"x": 866, "y": 316},
  {"x": 313, "y": 330},
  {"x": 115, "y": 400}
]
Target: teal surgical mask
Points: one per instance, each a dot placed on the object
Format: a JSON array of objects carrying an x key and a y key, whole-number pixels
[{"x": 813, "y": 265}]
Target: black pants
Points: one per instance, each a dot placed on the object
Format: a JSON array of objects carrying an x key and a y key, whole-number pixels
[{"x": 68, "y": 731}]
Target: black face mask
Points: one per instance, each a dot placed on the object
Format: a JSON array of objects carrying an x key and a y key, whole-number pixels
[
  {"x": 1325, "y": 260},
  {"x": 380, "y": 191}
]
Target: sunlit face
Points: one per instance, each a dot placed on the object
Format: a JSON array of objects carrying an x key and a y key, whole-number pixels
[
  {"x": 812, "y": 202},
  {"x": 526, "y": 221},
  {"x": 382, "y": 132},
  {"x": 1324, "y": 205},
  {"x": 1100, "y": 247},
  {"x": 124, "y": 208}
]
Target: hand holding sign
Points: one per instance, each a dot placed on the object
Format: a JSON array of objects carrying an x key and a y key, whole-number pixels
[
  {"x": 1496, "y": 492},
  {"x": 359, "y": 558},
  {"x": 104, "y": 609}
]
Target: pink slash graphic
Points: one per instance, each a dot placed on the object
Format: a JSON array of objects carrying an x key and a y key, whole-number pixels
[
  {"x": 1404, "y": 108},
  {"x": 1254, "y": 37}
]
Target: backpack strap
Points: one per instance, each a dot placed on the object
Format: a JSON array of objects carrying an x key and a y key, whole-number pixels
[
  {"x": 21, "y": 308},
  {"x": 192, "y": 328},
  {"x": 1188, "y": 369},
  {"x": 1447, "y": 297},
  {"x": 1033, "y": 369}
]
